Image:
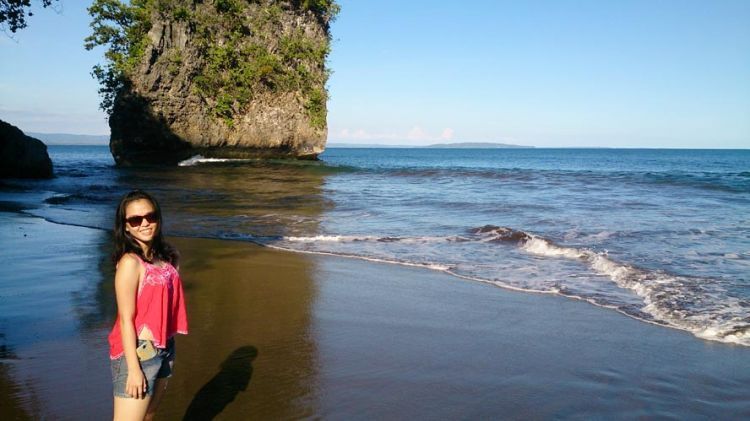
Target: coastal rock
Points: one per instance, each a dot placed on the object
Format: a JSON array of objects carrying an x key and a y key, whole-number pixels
[
  {"x": 240, "y": 82},
  {"x": 22, "y": 156}
]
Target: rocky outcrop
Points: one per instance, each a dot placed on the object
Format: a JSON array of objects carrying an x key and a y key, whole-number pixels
[
  {"x": 22, "y": 156},
  {"x": 242, "y": 82}
]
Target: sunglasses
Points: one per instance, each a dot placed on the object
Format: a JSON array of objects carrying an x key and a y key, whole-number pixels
[{"x": 135, "y": 221}]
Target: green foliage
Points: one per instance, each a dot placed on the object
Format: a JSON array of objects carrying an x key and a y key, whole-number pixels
[
  {"x": 246, "y": 49},
  {"x": 175, "y": 62},
  {"x": 228, "y": 6},
  {"x": 123, "y": 29},
  {"x": 182, "y": 14},
  {"x": 111, "y": 82},
  {"x": 224, "y": 108},
  {"x": 328, "y": 9},
  {"x": 316, "y": 107},
  {"x": 13, "y": 13}
]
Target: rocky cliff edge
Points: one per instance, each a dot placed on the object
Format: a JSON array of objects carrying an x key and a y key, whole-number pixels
[
  {"x": 225, "y": 79},
  {"x": 22, "y": 156}
]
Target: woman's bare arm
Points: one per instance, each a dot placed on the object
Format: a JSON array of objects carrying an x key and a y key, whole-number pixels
[{"x": 126, "y": 289}]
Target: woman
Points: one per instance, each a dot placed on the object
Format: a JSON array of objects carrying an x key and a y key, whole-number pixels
[{"x": 150, "y": 308}]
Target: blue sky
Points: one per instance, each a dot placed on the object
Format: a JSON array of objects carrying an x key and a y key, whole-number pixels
[{"x": 544, "y": 73}]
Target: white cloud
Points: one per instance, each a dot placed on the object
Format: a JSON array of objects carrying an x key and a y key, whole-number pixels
[
  {"x": 447, "y": 134},
  {"x": 360, "y": 134},
  {"x": 416, "y": 133}
]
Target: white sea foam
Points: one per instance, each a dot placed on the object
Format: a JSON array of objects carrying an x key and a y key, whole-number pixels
[
  {"x": 371, "y": 238},
  {"x": 200, "y": 159},
  {"x": 574, "y": 234},
  {"x": 710, "y": 313},
  {"x": 427, "y": 265},
  {"x": 543, "y": 247},
  {"x": 601, "y": 236},
  {"x": 700, "y": 306}
]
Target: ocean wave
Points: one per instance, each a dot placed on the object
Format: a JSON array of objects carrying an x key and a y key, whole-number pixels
[
  {"x": 591, "y": 237},
  {"x": 379, "y": 239},
  {"x": 695, "y": 304},
  {"x": 89, "y": 197},
  {"x": 698, "y": 305},
  {"x": 427, "y": 265},
  {"x": 730, "y": 182}
]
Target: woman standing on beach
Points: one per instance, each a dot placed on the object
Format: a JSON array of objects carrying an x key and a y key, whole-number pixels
[{"x": 150, "y": 308}]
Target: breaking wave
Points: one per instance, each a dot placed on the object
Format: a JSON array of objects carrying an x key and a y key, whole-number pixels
[{"x": 699, "y": 305}]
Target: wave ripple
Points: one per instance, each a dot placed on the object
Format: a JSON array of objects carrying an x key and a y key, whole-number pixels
[{"x": 695, "y": 304}]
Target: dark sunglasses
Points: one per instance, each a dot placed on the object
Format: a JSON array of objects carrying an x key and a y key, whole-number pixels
[{"x": 135, "y": 221}]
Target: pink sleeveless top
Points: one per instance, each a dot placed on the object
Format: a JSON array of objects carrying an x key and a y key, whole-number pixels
[{"x": 159, "y": 306}]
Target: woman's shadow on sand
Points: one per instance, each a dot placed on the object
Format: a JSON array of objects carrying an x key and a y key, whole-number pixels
[{"x": 220, "y": 391}]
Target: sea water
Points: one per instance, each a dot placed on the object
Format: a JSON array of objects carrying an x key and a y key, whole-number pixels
[{"x": 659, "y": 235}]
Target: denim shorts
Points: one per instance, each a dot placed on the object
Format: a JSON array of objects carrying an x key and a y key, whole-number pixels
[{"x": 155, "y": 368}]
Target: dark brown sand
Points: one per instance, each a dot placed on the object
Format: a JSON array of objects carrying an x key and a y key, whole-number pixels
[{"x": 278, "y": 335}]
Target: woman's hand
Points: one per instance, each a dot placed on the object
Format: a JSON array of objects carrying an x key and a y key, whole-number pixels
[{"x": 136, "y": 385}]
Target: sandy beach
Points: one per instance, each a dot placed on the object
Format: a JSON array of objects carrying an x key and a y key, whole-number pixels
[
  {"x": 498, "y": 210},
  {"x": 281, "y": 335}
]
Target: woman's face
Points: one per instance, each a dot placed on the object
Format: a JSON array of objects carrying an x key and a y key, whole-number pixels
[{"x": 140, "y": 220}]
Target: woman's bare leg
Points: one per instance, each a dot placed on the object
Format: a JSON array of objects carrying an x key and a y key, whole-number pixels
[
  {"x": 160, "y": 387},
  {"x": 128, "y": 409}
]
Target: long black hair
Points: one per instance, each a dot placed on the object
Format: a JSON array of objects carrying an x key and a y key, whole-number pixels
[{"x": 125, "y": 243}]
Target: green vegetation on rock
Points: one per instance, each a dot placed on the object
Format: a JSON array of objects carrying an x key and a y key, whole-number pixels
[
  {"x": 124, "y": 29},
  {"x": 243, "y": 50}
]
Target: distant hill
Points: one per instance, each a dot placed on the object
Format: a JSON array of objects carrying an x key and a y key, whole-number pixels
[
  {"x": 475, "y": 145},
  {"x": 333, "y": 145},
  {"x": 70, "y": 139},
  {"x": 459, "y": 145}
]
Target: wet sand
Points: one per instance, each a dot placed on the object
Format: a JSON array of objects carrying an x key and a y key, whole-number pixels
[{"x": 279, "y": 335}]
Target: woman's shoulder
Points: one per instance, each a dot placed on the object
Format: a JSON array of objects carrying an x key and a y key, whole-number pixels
[{"x": 129, "y": 261}]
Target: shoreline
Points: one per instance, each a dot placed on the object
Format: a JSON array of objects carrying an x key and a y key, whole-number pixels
[
  {"x": 280, "y": 334},
  {"x": 17, "y": 208}
]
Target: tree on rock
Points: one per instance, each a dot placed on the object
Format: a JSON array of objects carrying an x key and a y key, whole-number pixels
[
  {"x": 221, "y": 78},
  {"x": 13, "y": 13}
]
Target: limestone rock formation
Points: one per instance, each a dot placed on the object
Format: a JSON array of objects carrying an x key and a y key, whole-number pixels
[
  {"x": 227, "y": 78},
  {"x": 22, "y": 156}
]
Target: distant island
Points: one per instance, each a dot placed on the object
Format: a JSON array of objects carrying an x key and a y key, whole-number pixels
[
  {"x": 333, "y": 145},
  {"x": 458, "y": 145},
  {"x": 475, "y": 145}
]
